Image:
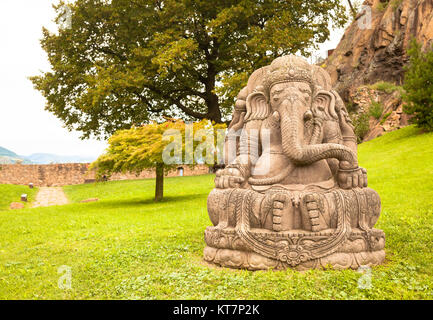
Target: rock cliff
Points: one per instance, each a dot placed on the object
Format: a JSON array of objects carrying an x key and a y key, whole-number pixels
[
  {"x": 384, "y": 111},
  {"x": 371, "y": 53}
]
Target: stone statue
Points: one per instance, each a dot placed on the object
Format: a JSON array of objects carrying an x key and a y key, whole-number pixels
[{"x": 292, "y": 193}]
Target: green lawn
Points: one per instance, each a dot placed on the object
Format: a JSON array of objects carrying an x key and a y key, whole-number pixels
[
  {"x": 127, "y": 247},
  {"x": 12, "y": 193}
]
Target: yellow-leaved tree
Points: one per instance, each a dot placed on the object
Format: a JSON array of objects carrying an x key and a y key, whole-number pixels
[{"x": 161, "y": 146}]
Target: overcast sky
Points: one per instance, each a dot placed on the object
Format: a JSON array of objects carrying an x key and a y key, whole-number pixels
[{"x": 25, "y": 127}]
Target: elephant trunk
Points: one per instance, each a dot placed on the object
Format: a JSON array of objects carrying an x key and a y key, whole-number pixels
[{"x": 308, "y": 154}]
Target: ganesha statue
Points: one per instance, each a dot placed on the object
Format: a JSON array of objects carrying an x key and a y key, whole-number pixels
[{"x": 292, "y": 194}]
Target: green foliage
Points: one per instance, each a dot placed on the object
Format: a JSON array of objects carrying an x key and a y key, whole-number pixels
[
  {"x": 387, "y": 87},
  {"x": 128, "y": 62},
  {"x": 381, "y": 6},
  {"x": 12, "y": 193},
  {"x": 396, "y": 3},
  {"x": 418, "y": 85},
  {"x": 361, "y": 124},
  {"x": 376, "y": 109},
  {"x": 140, "y": 148},
  {"x": 351, "y": 107},
  {"x": 136, "y": 149},
  {"x": 385, "y": 117},
  {"x": 127, "y": 247}
]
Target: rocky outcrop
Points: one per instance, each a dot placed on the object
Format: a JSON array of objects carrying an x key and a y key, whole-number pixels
[
  {"x": 390, "y": 103},
  {"x": 369, "y": 54}
]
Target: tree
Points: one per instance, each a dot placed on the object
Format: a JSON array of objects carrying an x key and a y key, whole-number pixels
[
  {"x": 159, "y": 146},
  {"x": 355, "y": 7},
  {"x": 125, "y": 62},
  {"x": 352, "y": 9},
  {"x": 418, "y": 86}
]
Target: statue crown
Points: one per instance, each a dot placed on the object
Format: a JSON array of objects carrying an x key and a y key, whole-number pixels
[{"x": 288, "y": 69}]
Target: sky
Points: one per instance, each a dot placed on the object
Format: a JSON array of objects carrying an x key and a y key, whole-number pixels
[{"x": 25, "y": 127}]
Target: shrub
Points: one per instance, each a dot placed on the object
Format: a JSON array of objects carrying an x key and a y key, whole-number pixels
[
  {"x": 418, "y": 86},
  {"x": 351, "y": 107},
  {"x": 381, "y": 6},
  {"x": 396, "y": 3},
  {"x": 376, "y": 109},
  {"x": 362, "y": 125},
  {"x": 385, "y": 117}
]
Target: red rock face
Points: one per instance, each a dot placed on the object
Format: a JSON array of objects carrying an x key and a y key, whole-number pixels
[
  {"x": 369, "y": 55},
  {"x": 392, "y": 117}
]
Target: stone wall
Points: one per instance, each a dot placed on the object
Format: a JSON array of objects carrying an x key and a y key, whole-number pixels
[{"x": 72, "y": 173}]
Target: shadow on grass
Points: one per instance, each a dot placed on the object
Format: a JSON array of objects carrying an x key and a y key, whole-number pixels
[{"x": 129, "y": 203}]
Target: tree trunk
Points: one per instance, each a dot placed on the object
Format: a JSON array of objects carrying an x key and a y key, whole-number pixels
[
  {"x": 159, "y": 188},
  {"x": 214, "y": 113},
  {"x": 212, "y": 101},
  {"x": 351, "y": 7}
]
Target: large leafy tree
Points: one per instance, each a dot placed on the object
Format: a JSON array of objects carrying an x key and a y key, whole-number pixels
[{"x": 125, "y": 62}]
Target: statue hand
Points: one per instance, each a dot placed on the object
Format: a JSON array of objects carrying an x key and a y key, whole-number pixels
[
  {"x": 346, "y": 125},
  {"x": 353, "y": 178},
  {"x": 228, "y": 178},
  {"x": 319, "y": 115}
]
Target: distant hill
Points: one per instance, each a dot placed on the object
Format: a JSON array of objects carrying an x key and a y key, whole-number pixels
[
  {"x": 47, "y": 158},
  {"x": 10, "y": 157},
  {"x": 7, "y": 153}
]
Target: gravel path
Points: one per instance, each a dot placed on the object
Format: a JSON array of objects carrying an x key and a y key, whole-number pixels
[{"x": 50, "y": 196}]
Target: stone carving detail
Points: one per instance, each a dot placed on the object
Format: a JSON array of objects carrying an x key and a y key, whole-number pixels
[{"x": 292, "y": 194}]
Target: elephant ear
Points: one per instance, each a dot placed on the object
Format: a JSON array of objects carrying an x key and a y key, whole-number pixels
[
  {"x": 256, "y": 79},
  {"x": 346, "y": 124},
  {"x": 257, "y": 107},
  {"x": 324, "y": 105}
]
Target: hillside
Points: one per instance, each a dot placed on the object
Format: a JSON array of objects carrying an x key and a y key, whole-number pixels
[
  {"x": 127, "y": 247},
  {"x": 7, "y": 153},
  {"x": 10, "y": 157}
]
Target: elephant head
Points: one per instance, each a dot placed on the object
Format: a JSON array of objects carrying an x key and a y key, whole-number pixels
[{"x": 294, "y": 91}]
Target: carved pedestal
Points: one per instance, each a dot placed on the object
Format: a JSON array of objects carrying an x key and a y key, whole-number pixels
[
  {"x": 237, "y": 242},
  {"x": 225, "y": 248}
]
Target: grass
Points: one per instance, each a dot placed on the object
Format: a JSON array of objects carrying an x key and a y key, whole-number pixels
[
  {"x": 387, "y": 87},
  {"x": 127, "y": 247},
  {"x": 12, "y": 193}
]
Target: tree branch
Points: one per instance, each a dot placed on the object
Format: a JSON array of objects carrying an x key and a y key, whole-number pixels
[
  {"x": 107, "y": 50},
  {"x": 188, "y": 111}
]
